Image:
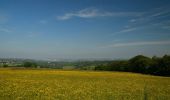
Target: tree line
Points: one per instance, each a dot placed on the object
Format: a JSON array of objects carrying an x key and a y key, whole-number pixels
[{"x": 140, "y": 64}]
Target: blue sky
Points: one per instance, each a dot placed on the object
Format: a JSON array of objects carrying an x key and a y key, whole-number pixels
[{"x": 82, "y": 29}]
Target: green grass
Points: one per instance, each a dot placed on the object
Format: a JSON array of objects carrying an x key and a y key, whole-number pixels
[{"x": 24, "y": 84}]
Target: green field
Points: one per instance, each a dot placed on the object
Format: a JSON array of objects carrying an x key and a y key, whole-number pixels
[{"x": 27, "y": 84}]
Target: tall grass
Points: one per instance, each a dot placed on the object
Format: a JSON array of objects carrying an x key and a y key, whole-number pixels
[{"x": 145, "y": 93}]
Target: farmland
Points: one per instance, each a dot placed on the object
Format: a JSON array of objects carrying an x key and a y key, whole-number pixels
[{"x": 46, "y": 84}]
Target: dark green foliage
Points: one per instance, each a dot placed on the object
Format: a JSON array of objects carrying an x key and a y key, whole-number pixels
[
  {"x": 140, "y": 64},
  {"x": 30, "y": 64},
  {"x": 5, "y": 65},
  {"x": 119, "y": 65},
  {"x": 161, "y": 66},
  {"x": 100, "y": 67},
  {"x": 114, "y": 66}
]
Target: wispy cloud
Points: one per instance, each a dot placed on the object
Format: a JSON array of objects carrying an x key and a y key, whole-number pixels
[
  {"x": 33, "y": 34},
  {"x": 159, "y": 13},
  {"x": 43, "y": 21},
  {"x": 125, "y": 30},
  {"x": 166, "y": 27},
  {"x": 3, "y": 17},
  {"x": 158, "y": 17},
  {"x": 5, "y": 30},
  {"x": 152, "y": 16},
  {"x": 92, "y": 12},
  {"x": 141, "y": 43},
  {"x": 133, "y": 20}
]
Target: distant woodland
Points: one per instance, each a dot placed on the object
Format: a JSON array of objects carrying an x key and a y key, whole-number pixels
[{"x": 138, "y": 64}]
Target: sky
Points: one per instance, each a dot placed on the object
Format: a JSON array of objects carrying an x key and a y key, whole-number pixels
[{"x": 84, "y": 29}]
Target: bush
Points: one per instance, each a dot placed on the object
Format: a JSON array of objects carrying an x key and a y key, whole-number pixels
[
  {"x": 30, "y": 64},
  {"x": 5, "y": 65}
]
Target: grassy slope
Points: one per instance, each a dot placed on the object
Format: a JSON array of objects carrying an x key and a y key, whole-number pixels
[{"x": 81, "y": 85}]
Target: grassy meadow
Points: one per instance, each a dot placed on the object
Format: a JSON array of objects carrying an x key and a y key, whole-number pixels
[{"x": 45, "y": 84}]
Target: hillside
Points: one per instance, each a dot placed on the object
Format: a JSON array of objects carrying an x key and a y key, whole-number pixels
[{"x": 45, "y": 84}]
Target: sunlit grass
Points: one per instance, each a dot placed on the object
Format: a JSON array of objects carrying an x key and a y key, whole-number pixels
[{"x": 81, "y": 85}]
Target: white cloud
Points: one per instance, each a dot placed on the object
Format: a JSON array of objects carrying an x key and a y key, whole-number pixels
[
  {"x": 92, "y": 12},
  {"x": 167, "y": 42}
]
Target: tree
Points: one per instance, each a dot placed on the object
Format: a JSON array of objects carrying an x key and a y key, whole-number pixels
[
  {"x": 140, "y": 64},
  {"x": 166, "y": 65},
  {"x": 161, "y": 66},
  {"x": 5, "y": 65},
  {"x": 121, "y": 65},
  {"x": 30, "y": 64}
]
